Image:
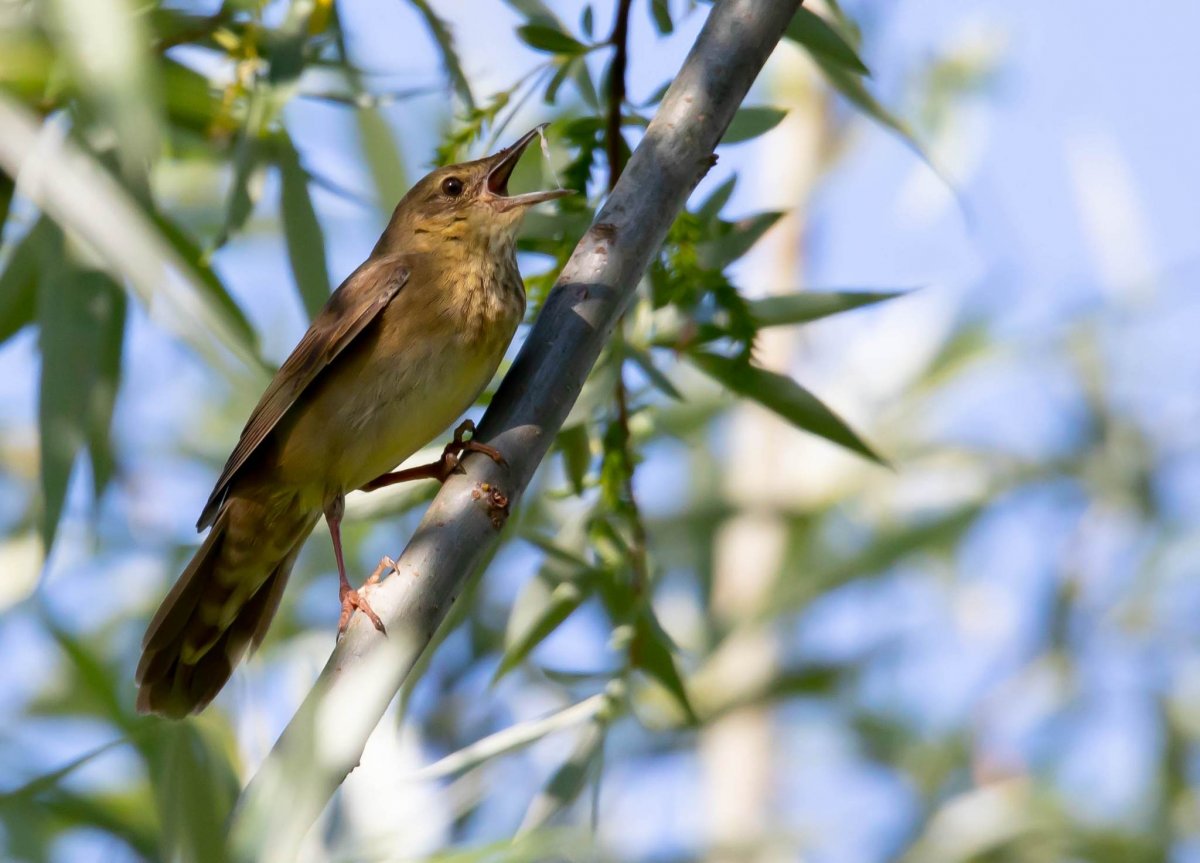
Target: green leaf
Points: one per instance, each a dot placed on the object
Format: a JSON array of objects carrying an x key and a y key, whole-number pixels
[
  {"x": 734, "y": 239},
  {"x": 7, "y": 188},
  {"x": 751, "y": 122},
  {"x": 541, "y": 606},
  {"x": 587, "y": 22},
  {"x": 550, "y": 40},
  {"x": 800, "y": 308},
  {"x": 653, "y": 373},
  {"x": 785, "y": 397},
  {"x": 107, "y": 50},
  {"x": 660, "y": 11},
  {"x": 82, "y": 319},
  {"x": 852, "y": 88},
  {"x": 823, "y": 42},
  {"x": 208, "y": 284},
  {"x": 576, "y": 448},
  {"x": 388, "y": 176},
  {"x": 101, "y": 397},
  {"x": 445, "y": 43},
  {"x": 568, "y": 781},
  {"x": 714, "y": 203},
  {"x": 302, "y": 231},
  {"x": 196, "y": 785},
  {"x": 652, "y": 651},
  {"x": 18, "y": 282}
]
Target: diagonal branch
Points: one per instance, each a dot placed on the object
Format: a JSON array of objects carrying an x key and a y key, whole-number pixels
[{"x": 326, "y": 737}]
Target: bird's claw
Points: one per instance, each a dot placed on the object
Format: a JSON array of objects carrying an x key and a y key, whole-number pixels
[{"x": 354, "y": 599}]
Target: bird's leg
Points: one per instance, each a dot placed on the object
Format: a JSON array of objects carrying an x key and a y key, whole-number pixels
[
  {"x": 350, "y": 598},
  {"x": 444, "y": 466}
]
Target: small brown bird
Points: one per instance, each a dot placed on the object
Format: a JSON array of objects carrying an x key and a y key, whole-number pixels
[{"x": 401, "y": 349}]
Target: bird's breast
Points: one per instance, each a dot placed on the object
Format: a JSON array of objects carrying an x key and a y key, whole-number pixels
[{"x": 403, "y": 382}]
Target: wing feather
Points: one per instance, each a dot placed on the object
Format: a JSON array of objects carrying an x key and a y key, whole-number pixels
[{"x": 350, "y": 308}]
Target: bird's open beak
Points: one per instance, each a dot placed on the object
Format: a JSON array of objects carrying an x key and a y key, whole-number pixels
[{"x": 501, "y": 169}]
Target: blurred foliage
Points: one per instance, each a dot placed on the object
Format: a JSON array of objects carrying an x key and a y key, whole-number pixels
[{"x": 149, "y": 91}]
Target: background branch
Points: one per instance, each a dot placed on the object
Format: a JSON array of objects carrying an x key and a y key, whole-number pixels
[{"x": 325, "y": 739}]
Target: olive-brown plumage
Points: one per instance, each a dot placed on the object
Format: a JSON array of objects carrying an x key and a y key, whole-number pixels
[{"x": 399, "y": 351}]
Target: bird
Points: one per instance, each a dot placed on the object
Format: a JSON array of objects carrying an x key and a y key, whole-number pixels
[{"x": 401, "y": 349}]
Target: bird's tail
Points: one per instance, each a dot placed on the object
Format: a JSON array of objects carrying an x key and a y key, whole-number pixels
[{"x": 221, "y": 605}]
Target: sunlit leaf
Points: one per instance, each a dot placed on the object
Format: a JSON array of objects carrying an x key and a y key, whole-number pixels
[
  {"x": 388, "y": 176},
  {"x": 302, "y": 231},
  {"x": 445, "y": 43},
  {"x": 785, "y": 397},
  {"x": 823, "y": 41},
  {"x": 106, "y": 47},
  {"x": 751, "y": 122},
  {"x": 549, "y": 39}
]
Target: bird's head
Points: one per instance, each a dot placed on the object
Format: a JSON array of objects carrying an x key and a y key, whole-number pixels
[{"x": 467, "y": 203}]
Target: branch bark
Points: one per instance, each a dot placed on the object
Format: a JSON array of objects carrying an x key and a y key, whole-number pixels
[{"x": 325, "y": 739}]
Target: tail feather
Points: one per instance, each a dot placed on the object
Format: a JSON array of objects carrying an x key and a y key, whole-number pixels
[{"x": 187, "y": 656}]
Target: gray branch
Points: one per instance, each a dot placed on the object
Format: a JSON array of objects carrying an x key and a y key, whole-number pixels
[{"x": 326, "y": 737}]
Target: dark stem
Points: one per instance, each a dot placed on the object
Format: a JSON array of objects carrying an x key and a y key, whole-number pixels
[
  {"x": 616, "y": 163},
  {"x": 616, "y": 91}
]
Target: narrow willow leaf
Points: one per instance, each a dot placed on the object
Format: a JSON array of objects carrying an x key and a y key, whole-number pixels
[
  {"x": 653, "y": 373},
  {"x": 106, "y": 48},
  {"x": 18, "y": 282},
  {"x": 248, "y": 157},
  {"x": 445, "y": 43},
  {"x": 660, "y": 11},
  {"x": 735, "y": 239},
  {"x": 102, "y": 393},
  {"x": 388, "y": 176},
  {"x": 715, "y": 203},
  {"x": 751, "y": 122},
  {"x": 82, "y": 318},
  {"x": 824, "y": 42},
  {"x": 6, "y": 195},
  {"x": 576, "y": 449},
  {"x": 302, "y": 232},
  {"x": 541, "y": 606},
  {"x": 206, "y": 281},
  {"x": 852, "y": 88},
  {"x": 809, "y": 306},
  {"x": 582, "y": 78},
  {"x": 568, "y": 781},
  {"x": 550, "y": 40},
  {"x": 785, "y": 397},
  {"x": 587, "y": 22},
  {"x": 196, "y": 786},
  {"x": 652, "y": 652}
]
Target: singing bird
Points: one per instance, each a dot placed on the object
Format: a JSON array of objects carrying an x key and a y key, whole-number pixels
[{"x": 401, "y": 349}]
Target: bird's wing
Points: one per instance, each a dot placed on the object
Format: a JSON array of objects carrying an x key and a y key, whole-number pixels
[{"x": 350, "y": 308}]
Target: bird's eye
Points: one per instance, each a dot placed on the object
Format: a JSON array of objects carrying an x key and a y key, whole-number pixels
[{"x": 452, "y": 187}]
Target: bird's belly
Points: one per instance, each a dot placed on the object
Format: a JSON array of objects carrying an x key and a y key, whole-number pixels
[{"x": 381, "y": 410}]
